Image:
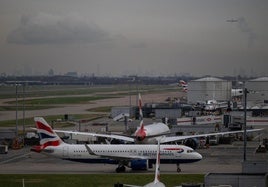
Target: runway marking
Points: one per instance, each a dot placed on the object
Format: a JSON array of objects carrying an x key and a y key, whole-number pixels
[{"x": 14, "y": 158}]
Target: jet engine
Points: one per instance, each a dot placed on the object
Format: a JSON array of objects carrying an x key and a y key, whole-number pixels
[
  {"x": 141, "y": 164},
  {"x": 191, "y": 142}
]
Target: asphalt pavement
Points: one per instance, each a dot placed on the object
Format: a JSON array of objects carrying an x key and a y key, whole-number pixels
[{"x": 220, "y": 159}]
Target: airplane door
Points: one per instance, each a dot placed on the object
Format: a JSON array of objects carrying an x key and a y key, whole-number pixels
[{"x": 65, "y": 152}]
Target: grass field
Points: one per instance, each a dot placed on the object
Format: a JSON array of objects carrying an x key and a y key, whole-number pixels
[
  {"x": 29, "y": 122},
  {"x": 60, "y": 100},
  {"x": 67, "y": 90},
  {"x": 44, "y": 97},
  {"x": 96, "y": 180},
  {"x": 52, "y": 96}
]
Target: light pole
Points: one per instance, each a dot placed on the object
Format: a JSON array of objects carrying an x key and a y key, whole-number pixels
[
  {"x": 245, "y": 123},
  {"x": 23, "y": 108},
  {"x": 16, "y": 109}
]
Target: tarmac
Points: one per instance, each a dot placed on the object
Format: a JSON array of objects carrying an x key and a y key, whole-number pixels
[{"x": 220, "y": 159}]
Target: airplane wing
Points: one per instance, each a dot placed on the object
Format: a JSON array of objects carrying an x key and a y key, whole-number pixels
[
  {"x": 177, "y": 138},
  {"x": 122, "y": 157},
  {"x": 114, "y": 136},
  {"x": 129, "y": 157}
]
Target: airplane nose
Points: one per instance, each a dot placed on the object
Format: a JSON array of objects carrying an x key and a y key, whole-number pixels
[{"x": 199, "y": 156}]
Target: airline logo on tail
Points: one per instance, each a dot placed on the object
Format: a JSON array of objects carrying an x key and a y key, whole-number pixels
[
  {"x": 141, "y": 132},
  {"x": 47, "y": 136},
  {"x": 184, "y": 85}
]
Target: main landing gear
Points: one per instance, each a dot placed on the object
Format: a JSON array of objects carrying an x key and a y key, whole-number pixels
[
  {"x": 120, "y": 168},
  {"x": 178, "y": 168}
]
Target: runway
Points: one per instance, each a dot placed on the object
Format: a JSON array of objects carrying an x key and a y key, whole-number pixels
[
  {"x": 223, "y": 159},
  {"x": 82, "y": 108}
]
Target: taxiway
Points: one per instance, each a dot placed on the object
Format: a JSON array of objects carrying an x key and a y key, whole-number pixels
[{"x": 221, "y": 158}]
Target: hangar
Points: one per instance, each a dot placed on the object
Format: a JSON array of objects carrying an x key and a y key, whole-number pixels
[
  {"x": 258, "y": 91},
  {"x": 209, "y": 88}
]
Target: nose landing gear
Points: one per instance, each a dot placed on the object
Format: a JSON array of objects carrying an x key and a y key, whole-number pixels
[{"x": 178, "y": 168}]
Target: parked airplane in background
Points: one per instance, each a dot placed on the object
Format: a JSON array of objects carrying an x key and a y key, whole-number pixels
[
  {"x": 148, "y": 133},
  {"x": 151, "y": 133},
  {"x": 183, "y": 85},
  {"x": 156, "y": 182},
  {"x": 144, "y": 133},
  {"x": 135, "y": 156}
]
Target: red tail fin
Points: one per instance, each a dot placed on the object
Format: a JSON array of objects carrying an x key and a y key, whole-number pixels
[
  {"x": 47, "y": 136},
  {"x": 140, "y": 133}
]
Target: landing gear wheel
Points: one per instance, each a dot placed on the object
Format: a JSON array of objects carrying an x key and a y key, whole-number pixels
[
  {"x": 117, "y": 170},
  {"x": 120, "y": 169},
  {"x": 178, "y": 168},
  {"x": 123, "y": 168}
]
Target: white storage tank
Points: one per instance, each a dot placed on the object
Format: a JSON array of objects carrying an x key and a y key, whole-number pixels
[{"x": 209, "y": 88}]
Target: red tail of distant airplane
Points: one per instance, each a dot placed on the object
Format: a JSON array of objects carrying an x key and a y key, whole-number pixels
[{"x": 184, "y": 85}]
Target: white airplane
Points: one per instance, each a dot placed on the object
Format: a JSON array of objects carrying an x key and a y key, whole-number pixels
[
  {"x": 135, "y": 156},
  {"x": 144, "y": 134},
  {"x": 148, "y": 134},
  {"x": 156, "y": 182}
]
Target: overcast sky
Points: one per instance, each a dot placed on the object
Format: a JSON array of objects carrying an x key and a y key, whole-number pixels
[{"x": 134, "y": 37}]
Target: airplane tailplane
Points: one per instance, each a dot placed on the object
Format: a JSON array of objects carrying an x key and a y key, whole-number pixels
[{"x": 47, "y": 136}]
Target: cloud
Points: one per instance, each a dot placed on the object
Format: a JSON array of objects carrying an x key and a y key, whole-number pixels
[{"x": 51, "y": 29}]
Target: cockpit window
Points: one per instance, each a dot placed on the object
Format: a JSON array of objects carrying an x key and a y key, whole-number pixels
[{"x": 190, "y": 151}]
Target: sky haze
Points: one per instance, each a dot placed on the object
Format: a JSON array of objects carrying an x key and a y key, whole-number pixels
[{"x": 134, "y": 37}]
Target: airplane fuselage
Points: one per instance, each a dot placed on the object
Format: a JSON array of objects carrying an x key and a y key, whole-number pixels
[
  {"x": 156, "y": 128},
  {"x": 150, "y": 132},
  {"x": 112, "y": 153}
]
